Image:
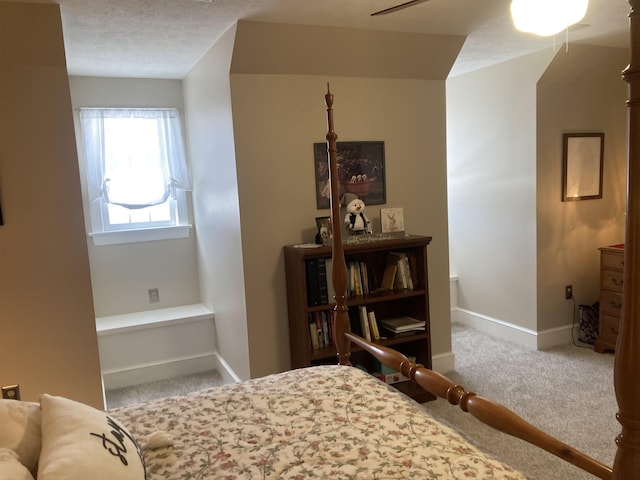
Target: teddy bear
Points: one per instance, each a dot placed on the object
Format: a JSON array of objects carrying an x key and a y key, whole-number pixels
[{"x": 355, "y": 220}]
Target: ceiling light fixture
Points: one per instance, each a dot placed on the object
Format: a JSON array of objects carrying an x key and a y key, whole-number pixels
[{"x": 547, "y": 17}]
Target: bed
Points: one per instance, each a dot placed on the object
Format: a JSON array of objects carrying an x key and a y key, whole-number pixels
[{"x": 331, "y": 421}]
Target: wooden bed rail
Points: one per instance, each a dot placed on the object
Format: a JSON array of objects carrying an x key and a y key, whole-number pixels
[{"x": 488, "y": 412}]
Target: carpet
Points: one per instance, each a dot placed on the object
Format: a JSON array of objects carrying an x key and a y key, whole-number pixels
[
  {"x": 566, "y": 391},
  {"x": 162, "y": 388}
]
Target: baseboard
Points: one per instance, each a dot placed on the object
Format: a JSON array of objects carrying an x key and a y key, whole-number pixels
[
  {"x": 227, "y": 373},
  {"x": 514, "y": 333},
  {"x": 135, "y": 375},
  {"x": 443, "y": 362}
]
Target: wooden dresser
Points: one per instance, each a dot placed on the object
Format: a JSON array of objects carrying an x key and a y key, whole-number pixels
[{"x": 611, "y": 273}]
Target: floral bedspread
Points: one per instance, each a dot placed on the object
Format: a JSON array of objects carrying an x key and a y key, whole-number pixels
[{"x": 327, "y": 422}]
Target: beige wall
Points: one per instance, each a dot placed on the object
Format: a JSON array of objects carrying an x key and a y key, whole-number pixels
[
  {"x": 581, "y": 91},
  {"x": 277, "y": 192},
  {"x": 122, "y": 274},
  {"x": 48, "y": 340}
]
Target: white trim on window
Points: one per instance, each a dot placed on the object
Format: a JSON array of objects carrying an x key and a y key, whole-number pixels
[{"x": 143, "y": 235}]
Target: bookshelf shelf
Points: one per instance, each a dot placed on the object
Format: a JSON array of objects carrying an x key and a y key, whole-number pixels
[{"x": 309, "y": 298}]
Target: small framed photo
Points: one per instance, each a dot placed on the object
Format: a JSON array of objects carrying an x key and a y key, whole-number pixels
[
  {"x": 392, "y": 220},
  {"x": 324, "y": 234},
  {"x": 582, "y": 158}
]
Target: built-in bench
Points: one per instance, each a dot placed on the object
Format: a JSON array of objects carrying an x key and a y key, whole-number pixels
[{"x": 154, "y": 345}]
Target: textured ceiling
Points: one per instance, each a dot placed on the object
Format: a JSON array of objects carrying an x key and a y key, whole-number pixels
[{"x": 165, "y": 38}]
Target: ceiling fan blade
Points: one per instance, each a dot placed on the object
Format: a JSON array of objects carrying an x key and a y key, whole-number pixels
[{"x": 398, "y": 7}]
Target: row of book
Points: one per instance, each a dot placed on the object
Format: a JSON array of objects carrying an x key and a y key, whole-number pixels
[
  {"x": 363, "y": 323},
  {"x": 361, "y": 281},
  {"x": 319, "y": 281},
  {"x": 399, "y": 274},
  {"x": 368, "y": 326},
  {"x": 321, "y": 331},
  {"x": 387, "y": 375}
]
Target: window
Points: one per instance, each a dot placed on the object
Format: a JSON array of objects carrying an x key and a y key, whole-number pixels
[{"x": 137, "y": 173}]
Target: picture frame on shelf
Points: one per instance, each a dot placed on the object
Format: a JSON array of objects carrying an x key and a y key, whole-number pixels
[
  {"x": 392, "y": 220},
  {"x": 582, "y": 166},
  {"x": 324, "y": 234},
  {"x": 361, "y": 171}
]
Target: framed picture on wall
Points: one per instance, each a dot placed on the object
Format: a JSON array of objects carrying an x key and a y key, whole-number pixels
[
  {"x": 582, "y": 158},
  {"x": 360, "y": 171}
]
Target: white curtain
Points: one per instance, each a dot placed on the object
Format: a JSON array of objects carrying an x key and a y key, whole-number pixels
[{"x": 134, "y": 157}]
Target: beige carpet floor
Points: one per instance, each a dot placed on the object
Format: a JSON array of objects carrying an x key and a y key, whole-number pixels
[{"x": 566, "y": 391}]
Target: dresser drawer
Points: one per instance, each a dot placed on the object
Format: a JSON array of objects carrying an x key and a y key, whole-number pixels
[
  {"x": 611, "y": 302},
  {"x": 612, "y": 260},
  {"x": 608, "y": 331},
  {"x": 612, "y": 280}
]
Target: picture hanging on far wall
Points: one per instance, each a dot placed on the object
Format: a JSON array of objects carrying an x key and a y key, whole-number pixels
[
  {"x": 360, "y": 171},
  {"x": 583, "y": 158}
]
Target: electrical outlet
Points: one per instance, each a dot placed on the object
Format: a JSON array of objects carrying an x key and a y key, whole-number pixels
[
  {"x": 11, "y": 392},
  {"x": 568, "y": 292},
  {"x": 154, "y": 295}
]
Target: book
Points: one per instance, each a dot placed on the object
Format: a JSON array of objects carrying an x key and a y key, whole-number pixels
[
  {"x": 364, "y": 275},
  {"x": 313, "y": 333},
  {"x": 323, "y": 293},
  {"x": 331, "y": 292},
  {"x": 402, "y": 324},
  {"x": 373, "y": 326},
  {"x": 313, "y": 284},
  {"x": 402, "y": 273},
  {"x": 389, "y": 276},
  {"x": 364, "y": 322},
  {"x": 390, "y": 378}
]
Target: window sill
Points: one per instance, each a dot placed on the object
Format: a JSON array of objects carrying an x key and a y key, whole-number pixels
[{"x": 136, "y": 236}]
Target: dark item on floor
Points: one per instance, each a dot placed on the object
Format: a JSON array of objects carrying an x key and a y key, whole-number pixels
[{"x": 588, "y": 315}]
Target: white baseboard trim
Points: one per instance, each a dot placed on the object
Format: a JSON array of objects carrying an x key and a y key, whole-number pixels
[
  {"x": 531, "y": 339},
  {"x": 443, "y": 362},
  {"x": 223, "y": 368},
  {"x": 152, "y": 372}
]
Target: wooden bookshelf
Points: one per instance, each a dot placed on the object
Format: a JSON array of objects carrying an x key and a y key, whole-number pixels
[{"x": 374, "y": 255}]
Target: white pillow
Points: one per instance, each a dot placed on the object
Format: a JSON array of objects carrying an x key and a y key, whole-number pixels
[
  {"x": 10, "y": 466},
  {"x": 82, "y": 443},
  {"x": 20, "y": 430}
]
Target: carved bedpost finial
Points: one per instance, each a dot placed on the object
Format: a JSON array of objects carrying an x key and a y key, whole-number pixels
[{"x": 328, "y": 98}]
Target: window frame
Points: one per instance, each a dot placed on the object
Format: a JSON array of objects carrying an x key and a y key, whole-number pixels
[{"x": 103, "y": 232}]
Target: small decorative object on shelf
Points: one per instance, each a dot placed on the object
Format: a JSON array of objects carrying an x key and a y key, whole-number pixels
[
  {"x": 372, "y": 300},
  {"x": 324, "y": 230},
  {"x": 356, "y": 221},
  {"x": 392, "y": 220}
]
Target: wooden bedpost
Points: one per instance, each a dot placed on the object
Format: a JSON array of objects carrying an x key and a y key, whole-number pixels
[
  {"x": 627, "y": 361},
  {"x": 343, "y": 345}
]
